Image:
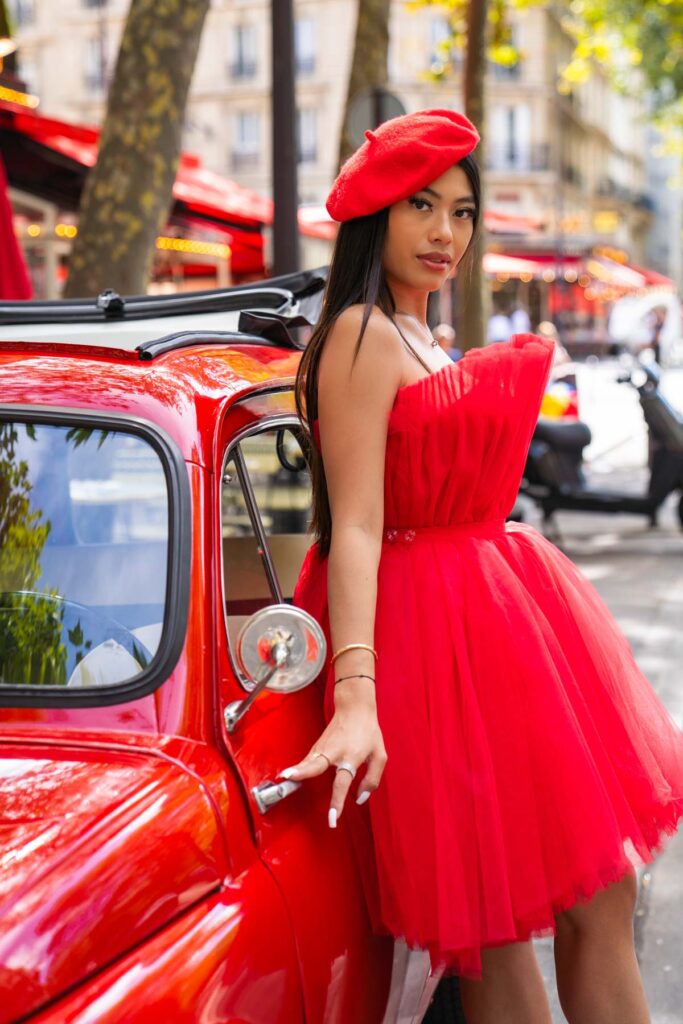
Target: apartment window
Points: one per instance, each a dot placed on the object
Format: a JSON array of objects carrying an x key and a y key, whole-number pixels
[
  {"x": 22, "y": 12},
  {"x": 506, "y": 72},
  {"x": 246, "y": 140},
  {"x": 307, "y": 135},
  {"x": 439, "y": 32},
  {"x": 244, "y": 62},
  {"x": 304, "y": 46},
  {"x": 95, "y": 64},
  {"x": 510, "y": 148}
]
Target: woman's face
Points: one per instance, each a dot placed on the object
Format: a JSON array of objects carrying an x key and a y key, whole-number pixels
[{"x": 428, "y": 233}]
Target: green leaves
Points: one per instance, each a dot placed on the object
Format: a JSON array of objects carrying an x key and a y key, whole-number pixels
[{"x": 637, "y": 43}]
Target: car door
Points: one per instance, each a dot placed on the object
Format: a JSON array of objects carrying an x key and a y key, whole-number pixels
[{"x": 262, "y": 500}]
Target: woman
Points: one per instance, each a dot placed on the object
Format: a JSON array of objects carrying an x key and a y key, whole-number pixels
[{"x": 515, "y": 760}]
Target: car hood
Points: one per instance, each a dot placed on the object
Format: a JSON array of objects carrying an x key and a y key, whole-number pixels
[{"x": 98, "y": 849}]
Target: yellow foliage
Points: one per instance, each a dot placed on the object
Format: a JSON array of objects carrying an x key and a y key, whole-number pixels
[
  {"x": 506, "y": 55},
  {"x": 577, "y": 71}
]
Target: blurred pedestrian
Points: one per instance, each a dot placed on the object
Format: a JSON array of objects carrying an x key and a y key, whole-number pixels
[
  {"x": 499, "y": 327},
  {"x": 445, "y": 335},
  {"x": 655, "y": 321},
  {"x": 547, "y": 329},
  {"x": 521, "y": 322}
]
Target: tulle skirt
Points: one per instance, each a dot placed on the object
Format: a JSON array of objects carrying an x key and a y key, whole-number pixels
[{"x": 530, "y": 762}]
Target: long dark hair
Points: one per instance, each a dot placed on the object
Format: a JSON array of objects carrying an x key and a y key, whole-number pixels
[{"x": 355, "y": 276}]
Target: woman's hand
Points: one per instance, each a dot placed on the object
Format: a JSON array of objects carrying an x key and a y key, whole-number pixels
[{"x": 353, "y": 734}]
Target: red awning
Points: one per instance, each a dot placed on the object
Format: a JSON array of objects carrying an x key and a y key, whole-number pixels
[
  {"x": 14, "y": 280},
  {"x": 315, "y": 221},
  {"x": 500, "y": 223},
  {"x": 609, "y": 272},
  {"x": 653, "y": 277},
  {"x": 201, "y": 196},
  {"x": 41, "y": 146},
  {"x": 194, "y": 184},
  {"x": 514, "y": 266}
]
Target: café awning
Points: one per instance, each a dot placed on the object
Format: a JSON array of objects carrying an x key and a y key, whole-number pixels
[
  {"x": 49, "y": 158},
  {"x": 619, "y": 275},
  {"x": 513, "y": 266},
  {"x": 653, "y": 278}
]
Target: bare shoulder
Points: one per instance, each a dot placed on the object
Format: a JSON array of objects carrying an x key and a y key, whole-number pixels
[
  {"x": 376, "y": 370},
  {"x": 350, "y": 321}
]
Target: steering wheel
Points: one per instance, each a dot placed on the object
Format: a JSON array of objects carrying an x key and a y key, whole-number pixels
[{"x": 82, "y": 628}]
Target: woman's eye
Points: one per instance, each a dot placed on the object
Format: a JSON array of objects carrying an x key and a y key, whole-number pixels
[
  {"x": 419, "y": 204},
  {"x": 468, "y": 210}
]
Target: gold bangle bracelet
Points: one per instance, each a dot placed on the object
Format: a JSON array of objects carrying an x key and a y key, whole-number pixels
[{"x": 349, "y": 647}]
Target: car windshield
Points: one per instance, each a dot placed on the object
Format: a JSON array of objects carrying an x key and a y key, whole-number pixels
[{"x": 83, "y": 555}]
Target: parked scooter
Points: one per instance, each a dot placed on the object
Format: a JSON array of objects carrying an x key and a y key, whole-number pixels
[{"x": 554, "y": 477}]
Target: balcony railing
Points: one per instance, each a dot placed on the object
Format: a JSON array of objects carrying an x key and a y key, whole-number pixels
[
  {"x": 242, "y": 69},
  {"x": 307, "y": 154},
  {"x": 518, "y": 159},
  {"x": 244, "y": 159},
  {"x": 611, "y": 189},
  {"x": 95, "y": 81},
  {"x": 305, "y": 64},
  {"x": 505, "y": 72}
]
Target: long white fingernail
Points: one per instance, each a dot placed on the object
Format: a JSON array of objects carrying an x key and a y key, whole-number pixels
[
  {"x": 288, "y": 772},
  {"x": 363, "y": 797},
  {"x": 332, "y": 817}
]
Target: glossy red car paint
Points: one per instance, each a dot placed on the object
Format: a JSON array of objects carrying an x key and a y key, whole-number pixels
[{"x": 138, "y": 880}]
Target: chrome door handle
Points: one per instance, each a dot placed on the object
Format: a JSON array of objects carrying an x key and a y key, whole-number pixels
[{"x": 268, "y": 793}]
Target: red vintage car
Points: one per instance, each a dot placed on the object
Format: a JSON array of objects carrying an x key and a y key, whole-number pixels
[{"x": 155, "y": 678}]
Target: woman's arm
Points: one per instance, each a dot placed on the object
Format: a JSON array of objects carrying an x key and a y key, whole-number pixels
[
  {"x": 354, "y": 403},
  {"x": 353, "y": 411}
]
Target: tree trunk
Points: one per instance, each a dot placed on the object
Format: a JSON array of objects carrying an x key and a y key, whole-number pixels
[
  {"x": 127, "y": 194},
  {"x": 370, "y": 55},
  {"x": 472, "y": 292}
]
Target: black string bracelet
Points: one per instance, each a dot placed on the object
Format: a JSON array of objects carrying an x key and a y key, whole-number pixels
[{"x": 357, "y": 675}]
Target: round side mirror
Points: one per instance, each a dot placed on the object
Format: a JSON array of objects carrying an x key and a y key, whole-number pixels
[{"x": 284, "y": 640}]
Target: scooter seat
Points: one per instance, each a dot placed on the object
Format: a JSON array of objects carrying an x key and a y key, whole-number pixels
[{"x": 563, "y": 436}]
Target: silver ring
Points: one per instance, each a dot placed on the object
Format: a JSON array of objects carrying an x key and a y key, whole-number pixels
[
  {"x": 346, "y": 766},
  {"x": 319, "y": 753}
]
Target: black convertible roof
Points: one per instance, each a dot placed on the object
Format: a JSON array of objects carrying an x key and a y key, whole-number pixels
[{"x": 264, "y": 312}]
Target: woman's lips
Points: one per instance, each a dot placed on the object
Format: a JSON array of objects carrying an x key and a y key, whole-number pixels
[{"x": 434, "y": 261}]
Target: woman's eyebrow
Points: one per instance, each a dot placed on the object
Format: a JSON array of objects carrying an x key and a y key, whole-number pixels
[{"x": 460, "y": 199}]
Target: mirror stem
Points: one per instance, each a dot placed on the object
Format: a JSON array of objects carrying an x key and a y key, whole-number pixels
[{"x": 235, "y": 711}]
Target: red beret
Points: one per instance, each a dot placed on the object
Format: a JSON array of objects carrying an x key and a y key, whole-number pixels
[{"x": 399, "y": 158}]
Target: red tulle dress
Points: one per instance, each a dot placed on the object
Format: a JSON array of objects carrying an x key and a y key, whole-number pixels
[{"x": 530, "y": 762}]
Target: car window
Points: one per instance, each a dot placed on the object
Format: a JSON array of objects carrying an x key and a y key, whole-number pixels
[
  {"x": 266, "y": 486},
  {"x": 84, "y": 517}
]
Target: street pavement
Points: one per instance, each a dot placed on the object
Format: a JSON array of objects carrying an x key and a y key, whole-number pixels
[{"x": 639, "y": 573}]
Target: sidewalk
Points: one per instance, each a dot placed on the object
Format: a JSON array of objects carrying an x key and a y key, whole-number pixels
[{"x": 639, "y": 573}]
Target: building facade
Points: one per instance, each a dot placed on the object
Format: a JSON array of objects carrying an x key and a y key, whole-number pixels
[{"x": 574, "y": 165}]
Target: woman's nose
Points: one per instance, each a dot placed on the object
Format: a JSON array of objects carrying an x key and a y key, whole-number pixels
[{"x": 441, "y": 228}]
